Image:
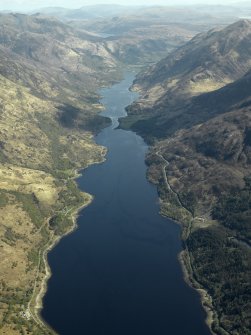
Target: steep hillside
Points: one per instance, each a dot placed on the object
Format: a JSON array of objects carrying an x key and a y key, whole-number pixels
[
  {"x": 203, "y": 178},
  {"x": 51, "y": 43},
  {"x": 214, "y": 155},
  {"x": 49, "y": 74},
  {"x": 223, "y": 54},
  {"x": 193, "y": 111},
  {"x": 205, "y": 64},
  {"x": 143, "y": 45},
  {"x": 139, "y": 40},
  {"x": 146, "y": 34},
  {"x": 196, "y": 111}
]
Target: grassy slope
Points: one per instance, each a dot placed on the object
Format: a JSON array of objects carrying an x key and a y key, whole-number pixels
[
  {"x": 38, "y": 160},
  {"x": 47, "y": 120}
]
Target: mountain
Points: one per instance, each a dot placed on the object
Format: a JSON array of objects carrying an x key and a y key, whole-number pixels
[
  {"x": 88, "y": 12},
  {"x": 144, "y": 16},
  {"x": 205, "y": 64},
  {"x": 137, "y": 35},
  {"x": 138, "y": 40},
  {"x": 47, "y": 39},
  {"x": 219, "y": 142},
  {"x": 45, "y": 48},
  {"x": 49, "y": 75},
  {"x": 240, "y": 10},
  {"x": 147, "y": 34},
  {"x": 213, "y": 56},
  {"x": 144, "y": 45},
  {"x": 195, "y": 110},
  {"x": 207, "y": 188},
  {"x": 135, "y": 47}
]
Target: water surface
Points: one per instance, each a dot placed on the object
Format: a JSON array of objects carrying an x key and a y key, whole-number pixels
[{"x": 118, "y": 273}]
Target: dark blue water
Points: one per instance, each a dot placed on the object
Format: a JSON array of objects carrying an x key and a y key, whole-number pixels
[{"x": 118, "y": 273}]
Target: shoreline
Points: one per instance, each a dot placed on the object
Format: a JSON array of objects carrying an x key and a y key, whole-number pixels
[
  {"x": 43, "y": 287},
  {"x": 205, "y": 298},
  {"x": 36, "y": 302},
  {"x": 185, "y": 262},
  {"x": 35, "y": 305}
]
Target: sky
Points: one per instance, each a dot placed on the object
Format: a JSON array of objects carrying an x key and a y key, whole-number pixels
[{"x": 36, "y": 4}]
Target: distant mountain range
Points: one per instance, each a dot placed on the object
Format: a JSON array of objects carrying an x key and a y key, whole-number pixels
[
  {"x": 89, "y": 12},
  {"x": 172, "y": 13}
]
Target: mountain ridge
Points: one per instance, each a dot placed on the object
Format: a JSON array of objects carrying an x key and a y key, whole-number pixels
[
  {"x": 177, "y": 87},
  {"x": 200, "y": 159},
  {"x": 49, "y": 75}
]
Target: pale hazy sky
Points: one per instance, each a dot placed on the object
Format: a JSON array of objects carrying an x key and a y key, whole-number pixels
[{"x": 34, "y": 4}]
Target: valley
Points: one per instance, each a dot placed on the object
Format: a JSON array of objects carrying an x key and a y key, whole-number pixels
[{"x": 193, "y": 111}]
